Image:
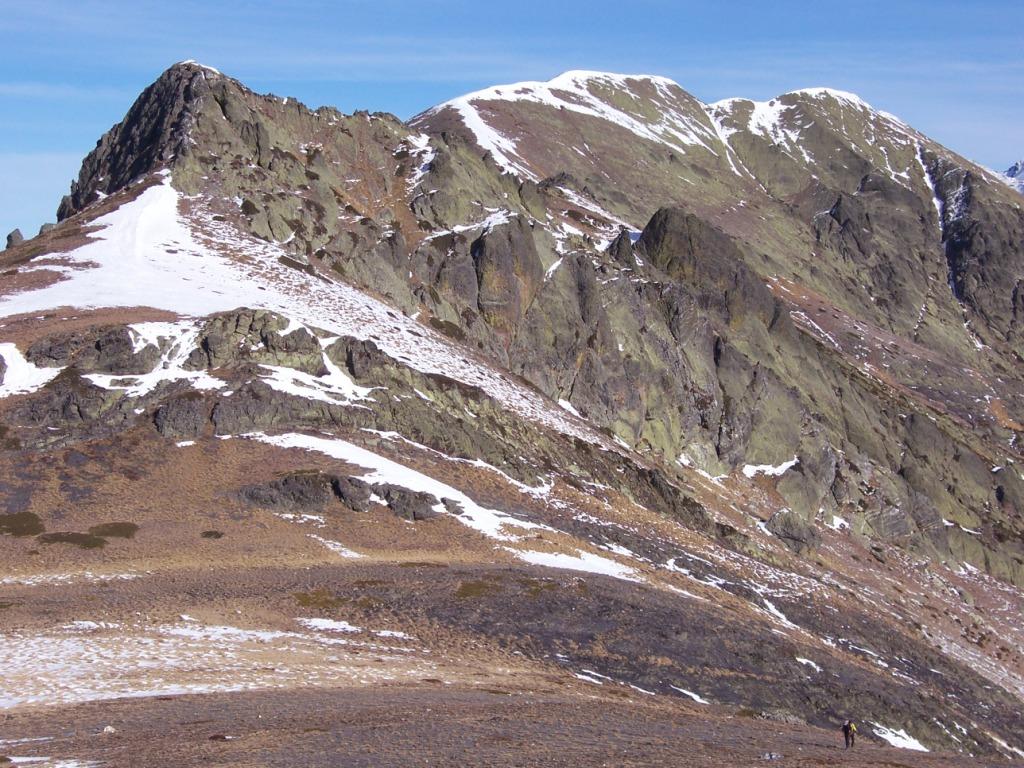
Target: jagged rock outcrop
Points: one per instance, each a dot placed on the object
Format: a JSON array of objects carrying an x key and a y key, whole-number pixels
[
  {"x": 154, "y": 131},
  {"x": 14, "y": 237}
]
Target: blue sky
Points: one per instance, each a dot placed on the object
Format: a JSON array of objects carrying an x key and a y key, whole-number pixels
[{"x": 69, "y": 70}]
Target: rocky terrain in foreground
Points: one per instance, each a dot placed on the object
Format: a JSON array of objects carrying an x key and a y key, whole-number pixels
[{"x": 568, "y": 418}]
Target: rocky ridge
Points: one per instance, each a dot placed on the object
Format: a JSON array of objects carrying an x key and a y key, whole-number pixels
[{"x": 796, "y": 338}]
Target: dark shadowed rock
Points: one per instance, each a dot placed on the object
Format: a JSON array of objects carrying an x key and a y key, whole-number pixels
[
  {"x": 14, "y": 237},
  {"x": 352, "y": 492},
  {"x": 183, "y": 417},
  {"x": 154, "y": 130},
  {"x": 621, "y": 249},
  {"x": 508, "y": 271},
  {"x": 99, "y": 350},
  {"x": 299, "y": 491},
  {"x": 409, "y": 505},
  {"x": 309, "y": 491}
]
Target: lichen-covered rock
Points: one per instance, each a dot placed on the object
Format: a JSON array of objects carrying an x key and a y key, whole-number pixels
[
  {"x": 97, "y": 350},
  {"x": 508, "y": 272},
  {"x": 186, "y": 416},
  {"x": 256, "y": 336},
  {"x": 796, "y": 533}
]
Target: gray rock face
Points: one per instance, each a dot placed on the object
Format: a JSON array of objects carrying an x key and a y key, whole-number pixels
[
  {"x": 796, "y": 533},
  {"x": 508, "y": 273},
  {"x": 182, "y": 417},
  {"x": 98, "y": 350},
  {"x": 14, "y": 237},
  {"x": 152, "y": 132},
  {"x": 308, "y": 492},
  {"x": 409, "y": 505},
  {"x": 984, "y": 267}
]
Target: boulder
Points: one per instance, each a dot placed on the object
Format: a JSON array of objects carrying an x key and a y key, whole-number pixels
[
  {"x": 14, "y": 237},
  {"x": 796, "y": 533},
  {"x": 305, "y": 491},
  {"x": 182, "y": 417},
  {"x": 352, "y": 492},
  {"x": 409, "y": 505},
  {"x": 309, "y": 491}
]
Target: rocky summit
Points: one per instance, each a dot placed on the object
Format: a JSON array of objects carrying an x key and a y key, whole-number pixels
[
  {"x": 568, "y": 423},
  {"x": 1015, "y": 174}
]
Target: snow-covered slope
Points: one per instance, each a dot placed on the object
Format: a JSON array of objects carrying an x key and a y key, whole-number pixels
[{"x": 649, "y": 107}]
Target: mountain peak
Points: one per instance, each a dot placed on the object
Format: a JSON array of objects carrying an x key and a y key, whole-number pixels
[
  {"x": 830, "y": 93},
  {"x": 572, "y": 80},
  {"x": 153, "y": 132},
  {"x": 801, "y": 94},
  {"x": 1014, "y": 176},
  {"x": 575, "y": 76},
  {"x": 651, "y": 107},
  {"x": 192, "y": 63}
]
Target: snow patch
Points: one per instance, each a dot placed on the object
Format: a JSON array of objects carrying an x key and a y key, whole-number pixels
[
  {"x": 750, "y": 470},
  {"x": 581, "y": 561},
  {"x": 329, "y": 625},
  {"x": 335, "y": 547},
  {"x": 809, "y": 663},
  {"x": 696, "y": 697},
  {"x": 21, "y": 376},
  {"x": 898, "y": 738},
  {"x": 490, "y": 522}
]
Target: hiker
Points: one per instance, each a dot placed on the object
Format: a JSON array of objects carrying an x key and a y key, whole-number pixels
[{"x": 849, "y": 732}]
